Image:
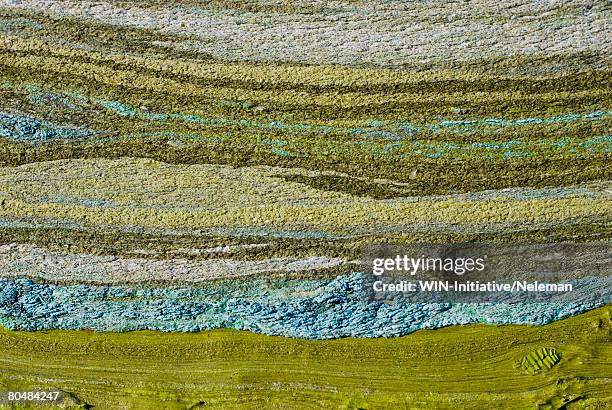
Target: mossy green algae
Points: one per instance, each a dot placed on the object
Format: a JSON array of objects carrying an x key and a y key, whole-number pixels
[{"x": 231, "y": 369}]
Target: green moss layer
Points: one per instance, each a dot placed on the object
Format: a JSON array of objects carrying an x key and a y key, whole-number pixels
[{"x": 457, "y": 367}]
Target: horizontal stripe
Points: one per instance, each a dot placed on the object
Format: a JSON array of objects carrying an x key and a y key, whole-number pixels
[
  {"x": 314, "y": 78},
  {"x": 321, "y": 309},
  {"x": 27, "y": 261},
  {"x": 132, "y": 79},
  {"x": 143, "y": 200},
  {"x": 391, "y": 33}
]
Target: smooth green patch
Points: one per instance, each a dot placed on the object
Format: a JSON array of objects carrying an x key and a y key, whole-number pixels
[{"x": 456, "y": 367}]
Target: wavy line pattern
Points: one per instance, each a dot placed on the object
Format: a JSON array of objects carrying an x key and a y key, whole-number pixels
[{"x": 183, "y": 166}]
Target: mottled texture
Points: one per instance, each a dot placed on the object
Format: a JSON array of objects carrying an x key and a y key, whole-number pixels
[
  {"x": 322, "y": 309},
  {"x": 183, "y": 147},
  {"x": 377, "y": 32}
]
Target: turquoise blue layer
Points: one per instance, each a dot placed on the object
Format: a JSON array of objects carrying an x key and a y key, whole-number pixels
[
  {"x": 376, "y": 129},
  {"x": 309, "y": 309},
  {"x": 28, "y": 129}
]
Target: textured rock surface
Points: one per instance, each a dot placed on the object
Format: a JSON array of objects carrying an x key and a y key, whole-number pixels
[
  {"x": 378, "y": 32},
  {"x": 229, "y": 160},
  {"x": 305, "y": 309}
]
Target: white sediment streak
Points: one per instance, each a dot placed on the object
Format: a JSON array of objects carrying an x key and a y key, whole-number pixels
[
  {"x": 29, "y": 261},
  {"x": 377, "y": 32}
]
